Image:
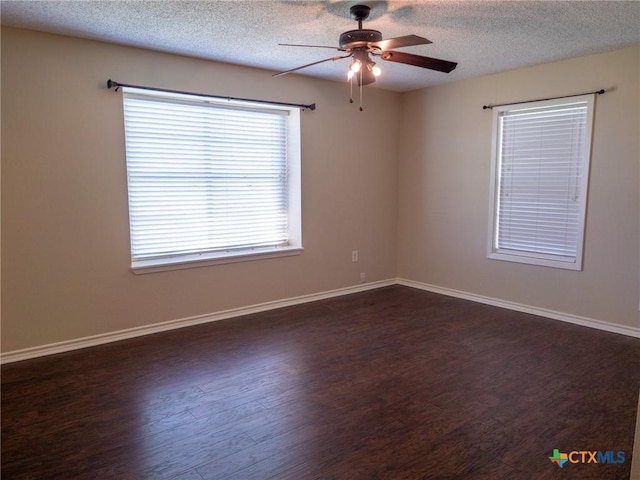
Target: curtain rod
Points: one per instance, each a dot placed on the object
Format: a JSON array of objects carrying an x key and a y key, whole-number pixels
[
  {"x": 599, "y": 92},
  {"x": 117, "y": 85}
]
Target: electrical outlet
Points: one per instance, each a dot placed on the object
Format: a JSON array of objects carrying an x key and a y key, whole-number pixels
[
  {"x": 354, "y": 256},
  {"x": 362, "y": 277}
]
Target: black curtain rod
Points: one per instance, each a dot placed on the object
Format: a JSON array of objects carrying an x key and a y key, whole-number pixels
[
  {"x": 599, "y": 92},
  {"x": 117, "y": 85}
]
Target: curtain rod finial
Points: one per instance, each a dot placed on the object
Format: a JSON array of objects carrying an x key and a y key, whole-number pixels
[{"x": 112, "y": 84}]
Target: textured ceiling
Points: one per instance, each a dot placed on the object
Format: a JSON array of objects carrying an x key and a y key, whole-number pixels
[{"x": 482, "y": 36}]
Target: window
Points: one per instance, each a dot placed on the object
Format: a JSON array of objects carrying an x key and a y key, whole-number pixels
[
  {"x": 540, "y": 173},
  {"x": 210, "y": 180}
]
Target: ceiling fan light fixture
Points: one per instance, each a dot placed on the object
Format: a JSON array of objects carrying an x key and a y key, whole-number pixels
[{"x": 356, "y": 65}]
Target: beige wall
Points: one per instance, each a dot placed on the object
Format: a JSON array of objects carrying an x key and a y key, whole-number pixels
[
  {"x": 406, "y": 183},
  {"x": 444, "y": 190},
  {"x": 65, "y": 251}
]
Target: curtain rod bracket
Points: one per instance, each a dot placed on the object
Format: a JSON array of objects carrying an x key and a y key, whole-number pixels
[
  {"x": 117, "y": 85},
  {"x": 599, "y": 92}
]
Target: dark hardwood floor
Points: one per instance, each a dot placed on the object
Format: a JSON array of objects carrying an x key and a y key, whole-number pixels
[{"x": 394, "y": 383}]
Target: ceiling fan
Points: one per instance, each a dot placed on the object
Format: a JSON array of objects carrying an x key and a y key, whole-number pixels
[{"x": 362, "y": 44}]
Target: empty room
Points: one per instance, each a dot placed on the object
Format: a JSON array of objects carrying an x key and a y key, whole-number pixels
[{"x": 296, "y": 240}]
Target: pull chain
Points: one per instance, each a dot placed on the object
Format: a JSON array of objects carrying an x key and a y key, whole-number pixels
[
  {"x": 351, "y": 89},
  {"x": 360, "y": 89}
]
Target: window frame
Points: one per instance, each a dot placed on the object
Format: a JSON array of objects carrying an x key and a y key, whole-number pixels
[
  {"x": 293, "y": 187},
  {"x": 538, "y": 258}
]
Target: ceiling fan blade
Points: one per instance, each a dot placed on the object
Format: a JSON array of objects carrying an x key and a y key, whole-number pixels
[
  {"x": 310, "y": 65},
  {"x": 419, "y": 61},
  {"x": 399, "y": 42},
  {"x": 310, "y": 46}
]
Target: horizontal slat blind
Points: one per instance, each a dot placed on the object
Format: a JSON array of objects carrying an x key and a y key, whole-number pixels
[
  {"x": 541, "y": 169},
  {"x": 203, "y": 176}
]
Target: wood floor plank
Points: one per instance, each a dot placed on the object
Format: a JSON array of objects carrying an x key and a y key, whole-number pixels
[{"x": 394, "y": 383}]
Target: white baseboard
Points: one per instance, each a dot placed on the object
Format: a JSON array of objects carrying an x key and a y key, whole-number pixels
[
  {"x": 69, "y": 345},
  {"x": 542, "y": 312},
  {"x": 76, "y": 344}
]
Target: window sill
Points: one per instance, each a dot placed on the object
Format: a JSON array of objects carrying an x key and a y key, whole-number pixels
[
  {"x": 566, "y": 263},
  {"x": 210, "y": 259}
]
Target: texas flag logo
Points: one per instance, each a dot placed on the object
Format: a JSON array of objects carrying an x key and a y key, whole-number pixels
[{"x": 559, "y": 458}]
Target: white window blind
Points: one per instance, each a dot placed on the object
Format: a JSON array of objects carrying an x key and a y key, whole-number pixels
[
  {"x": 205, "y": 176},
  {"x": 542, "y": 170}
]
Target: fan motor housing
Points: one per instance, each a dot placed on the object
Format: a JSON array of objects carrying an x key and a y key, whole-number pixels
[{"x": 359, "y": 38}]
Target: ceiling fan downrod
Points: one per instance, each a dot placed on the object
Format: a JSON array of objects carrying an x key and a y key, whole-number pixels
[
  {"x": 360, "y": 38},
  {"x": 359, "y": 13}
]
